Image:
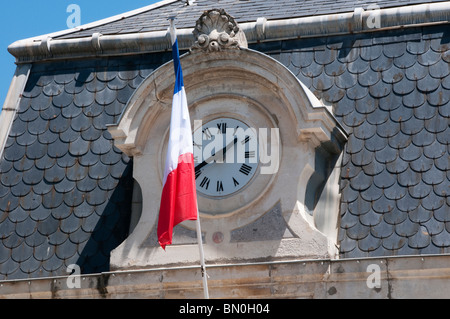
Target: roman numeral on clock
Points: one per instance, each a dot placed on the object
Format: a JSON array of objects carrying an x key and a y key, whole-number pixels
[
  {"x": 250, "y": 154},
  {"x": 198, "y": 173},
  {"x": 245, "y": 169},
  {"x": 222, "y": 128},
  {"x": 219, "y": 186},
  {"x": 246, "y": 140},
  {"x": 205, "y": 182}
]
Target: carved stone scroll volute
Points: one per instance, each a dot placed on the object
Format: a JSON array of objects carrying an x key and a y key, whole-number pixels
[{"x": 216, "y": 30}]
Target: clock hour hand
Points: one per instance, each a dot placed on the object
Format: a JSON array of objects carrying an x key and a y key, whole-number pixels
[{"x": 213, "y": 157}]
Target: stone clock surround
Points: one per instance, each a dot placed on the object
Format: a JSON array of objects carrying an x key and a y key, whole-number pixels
[{"x": 254, "y": 88}]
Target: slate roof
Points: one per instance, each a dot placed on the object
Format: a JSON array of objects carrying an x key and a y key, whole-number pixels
[
  {"x": 65, "y": 190},
  {"x": 391, "y": 91},
  {"x": 242, "y": 10}
]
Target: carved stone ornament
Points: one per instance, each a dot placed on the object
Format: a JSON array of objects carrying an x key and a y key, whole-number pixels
[{"x": 216, "y": 30}]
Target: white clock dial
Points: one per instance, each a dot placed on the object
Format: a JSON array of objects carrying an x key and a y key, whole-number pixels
[{"x": 226, "y": 157}]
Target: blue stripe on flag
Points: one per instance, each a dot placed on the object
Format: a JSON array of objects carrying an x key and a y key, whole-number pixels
[{"x": 178, "y": 71}]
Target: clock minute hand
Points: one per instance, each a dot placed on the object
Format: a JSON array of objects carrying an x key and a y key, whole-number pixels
[{"x": 213, "y": 157}]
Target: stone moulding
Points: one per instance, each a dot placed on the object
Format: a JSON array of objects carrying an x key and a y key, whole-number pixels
[{"x": 216, "y": 30}]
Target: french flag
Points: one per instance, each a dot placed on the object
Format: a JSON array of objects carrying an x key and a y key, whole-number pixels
[{"x": 179, "y": 196}]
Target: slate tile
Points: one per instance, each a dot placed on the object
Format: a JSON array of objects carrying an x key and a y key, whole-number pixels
[
  {"x": 442, "y": 214},
  {"x": 59, "y": 124},
  {"x": 85, "y": 99},
  {"x": 366, "y": 105},
  {"x": 359, "y": 231},
  {"x": 35, "y": 239},
  {"x": 382, "y": 230},
  {"x": 74, "y": 198},
  {"x": 405, "y": 61},
  {"x": 422, "y": 164},
  {"x": 394, "y": 50},
  {"x": 417, "y": 47},
  {"x": 30, "y": 266},
  {"x": 382, "y": 63},
  {"x": 407, "y": 203},
  {"x": 433, "y": 202},
  {"x": 390, "y": 102},
  {"x": 53, "y": 89},
  {"x": 394, "y": 242},
  {"x": 425, "y": 112},
  {"x": 428, "y": 58},
  {"x": 11, "y": 178},
  {"x": 442, "y": 239},
  {"x": 372, "y": 193},
  {"x": 43, "y": 252},
  {"x": 21, "y": 189},
  {"x": 64, "y": 186},
  {"x": 358, "y": 207},
  {"x": 371, "y": 218},
  {"x": 357, "y": 92},
  {"x": 364, "y": 131},
  {"x": 420, "y": 240},
  {"x": 336, "y": 68},
  {"x": 440, "y": 69},
  {"x": 45, "y": 162},
  {"x": 428, "y": 84},
  {"x": 373, "y": 168},
  {"x": 71, "y": 111},
  {"x": 375, "y": 143},
  {"x": 9, "y": 267},
  {"x": 7, "y": 228},
  {"x": 433, "y": 176},
  {"x": 400, "y": 140},
  {"x": 392, "y": 75},
  {"x": 416, "y": 72},
  {"x": 354, "y": 119},
  {"x": 79, "y": 236},
  {"x": 411, "y": 225},
  {"x": 369, "y": 244},
  {"x": 435, "y": 150},
  {"x": 52, "y": 264},
  {"x": 384, "y": 180},
  {"x": 404, "y": 86},
  {"x": 411, "y": 126},
  {"x": 86, "y": 185},
  {"x": 83, "y": 210},
  {"x": 44, "y": 137},
  {"x": 12, "y": 241},
  {"x": 436, "y": 124},
  {"x": 361, "y": 181},
  {"x": 420, "y": 190}
]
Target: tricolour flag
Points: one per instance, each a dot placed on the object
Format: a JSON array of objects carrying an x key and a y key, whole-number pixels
[{"x": 179, "y": 197}]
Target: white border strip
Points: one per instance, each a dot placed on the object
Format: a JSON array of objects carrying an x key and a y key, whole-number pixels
[{"x": 12, "y": 101}]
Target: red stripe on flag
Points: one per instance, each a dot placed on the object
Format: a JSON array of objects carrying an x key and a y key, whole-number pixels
[{"x": 178, "y": 200}]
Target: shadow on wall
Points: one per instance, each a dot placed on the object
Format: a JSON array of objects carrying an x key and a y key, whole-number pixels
[{"x": 111, "y": 229}]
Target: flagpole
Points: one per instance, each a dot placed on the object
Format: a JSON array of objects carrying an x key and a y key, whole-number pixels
[
  {"x": 198, "y": 227},
  {"x": 202, "y": 258}
]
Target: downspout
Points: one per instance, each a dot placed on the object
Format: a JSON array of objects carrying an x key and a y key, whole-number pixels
[{"x": 262, "y": 30}]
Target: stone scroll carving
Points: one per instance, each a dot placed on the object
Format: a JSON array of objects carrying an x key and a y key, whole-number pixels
[{"x": 216, "y": 30}]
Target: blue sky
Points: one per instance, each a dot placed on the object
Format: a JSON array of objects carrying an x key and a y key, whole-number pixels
[{"x": 21, "y": 19}]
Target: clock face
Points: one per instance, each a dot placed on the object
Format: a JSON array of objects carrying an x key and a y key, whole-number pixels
[{"x": 226, "y": 157}]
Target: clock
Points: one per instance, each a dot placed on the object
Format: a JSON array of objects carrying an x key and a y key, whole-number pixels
[{"x": 226, "y": 157}]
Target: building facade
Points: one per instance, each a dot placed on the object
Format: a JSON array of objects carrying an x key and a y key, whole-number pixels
[{"x": 350, "y": 106}]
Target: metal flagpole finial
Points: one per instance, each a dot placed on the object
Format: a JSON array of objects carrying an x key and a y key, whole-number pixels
[{"x": 172, "y": 29}]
